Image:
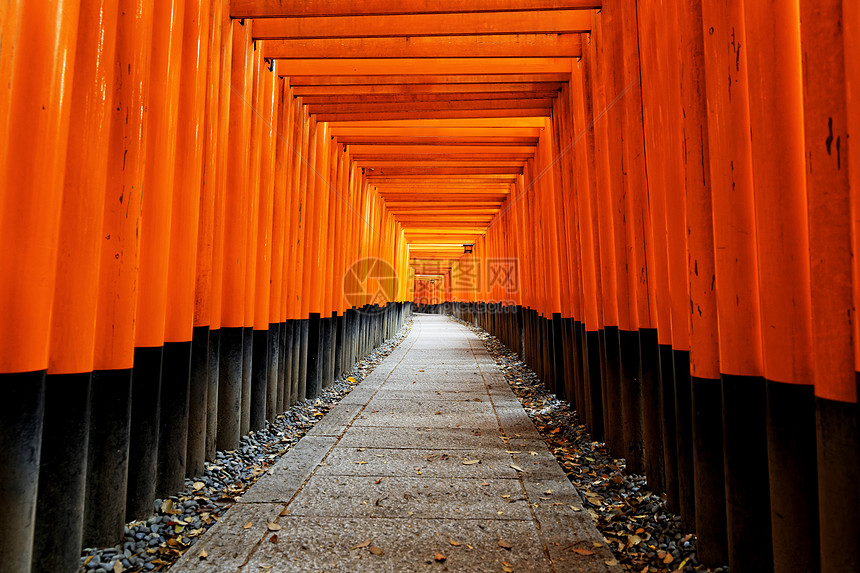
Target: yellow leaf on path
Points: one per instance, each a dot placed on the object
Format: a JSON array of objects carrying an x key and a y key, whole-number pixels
[
  {"x": 274, "y": 527},
  {"x": 518, "y": 468},
  {"x": 454, "y": 543},
  {"x": 440, "y": 558},
  {"x": 361, "y": 463},
  {"x": 166, "y": 505},
  {"x": 470, "y": 462},
  {"x": 376, "y": 550},
  {"x": 597, "y": 544},
  {"x": 612, "y": 562},
  {"x": 351, "y": 379},
  {"x": 203, "y": 554},
  {"x": 247, "y": 525},
  {"x": 361, "y": 545},
  {"x": 198, "y": 485},
  {"x": 583, "y": 551},
  {"x": 504, "y": 544}
]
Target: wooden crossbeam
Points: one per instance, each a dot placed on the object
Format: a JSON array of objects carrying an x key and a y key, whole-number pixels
[
  {"x": 414, "y": 97},
  {"x": 420, "y": 77},
  {"x": 291, "y": 8},
  {"x": 384, "y": 149},
  {"x": 423, "y": 90},
  {"x": 389, "y": 171},
  {"x": 434, "y": 114},
  {"x": 493, "y": 104},
  {"x": 505, "y": 46},
  {"x": 403, "y": 25},
  {"x": 422, "y": 66},
  {"x": 435, "y": 141}
]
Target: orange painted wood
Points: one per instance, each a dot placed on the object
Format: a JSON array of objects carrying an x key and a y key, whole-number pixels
[
  {"x": 31, "y": 175},
  {"x": 182, "y": 263},
  {"x": 732, "y": 192},
  {"x": 265, "y": 229},
  {"x": 433, "y": 47},
  {"x": 162, "y": 125},
  {"x": 704, "y": 341},
  {"x": 282, "y": 8},
  {"x": 433, "y": 66},
  {"x": 851, "y": 37},
  {"x": 225, "y": 101},
  {"x": 404, "y": 25},
  {"x": 606, "y": 238},
  {"x": 254, "y": 93},
  {"x": 236, "y": 213},
  {"x": 776, "y": 122},
  {"x": 280, "y": 214},
  {"x": 120, "y": 245},
  {"x": 419, "y": 80},
  {"x": 829, "y": 203},
  {"x": 209, "y": 181},
  {"x": 73, "y": 321}
]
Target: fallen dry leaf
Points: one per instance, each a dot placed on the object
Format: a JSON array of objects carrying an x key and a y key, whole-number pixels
[
  {"x": 612, "y": 562},
  {"x": 470, "y": 462},
  {"x": 507, "y": 567},
  {"x": 361, "y": 545},
  {"x": 376, "y": 550},
  {"x": 247, "y": 525},
  {"x": 203, "y": 554},
  {"x": 273, "y": 539},
  {"x": 583, "y": 551},
  {"x": 454, "y": 543},
  {"x": 440, "y": 558},
  {"x": 518, "y": 468},
  {"x": 504, "y": 544},
  {"x": 198, "y": 485},
  {"x": 274, "y": 527},
  {"x": 117, "y": 566}
]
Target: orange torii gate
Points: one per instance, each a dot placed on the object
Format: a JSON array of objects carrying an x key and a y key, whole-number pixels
[{"x": 210, "y": 209}]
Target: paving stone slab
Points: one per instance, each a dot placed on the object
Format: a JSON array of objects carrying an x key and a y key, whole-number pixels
[
  {"x": 229, "y": 543},
  {"x": 316, "y": 545},
  {"x": 429, "y": 420},
  {"x": 480, "y": 462},
  {"x": 281, "y": 482},
  {"x": 335, "y": 421},
  {"x": 419, "y": 437},
  {"x": 359, "y": 496}
]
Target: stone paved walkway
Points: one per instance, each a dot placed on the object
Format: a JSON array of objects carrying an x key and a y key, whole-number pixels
[{"x": 431, "y": 454}]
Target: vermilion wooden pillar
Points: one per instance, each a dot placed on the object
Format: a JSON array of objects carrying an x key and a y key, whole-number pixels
[
  {"x": 830, "y": 258},
  {"x": 776, "y": 122}
]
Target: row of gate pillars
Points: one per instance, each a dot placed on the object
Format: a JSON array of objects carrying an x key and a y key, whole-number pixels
[
  {"x": 104, "y": 445},
  {"x": 736, "y": 458}
]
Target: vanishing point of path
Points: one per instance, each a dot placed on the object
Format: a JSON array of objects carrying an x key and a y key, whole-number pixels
[{"x": 429, "y": 464}]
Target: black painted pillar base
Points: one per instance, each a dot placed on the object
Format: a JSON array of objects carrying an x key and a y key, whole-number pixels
[
  {"x": 212, "y": 393},
  {"x": 303, "y": 336},
  {"x": 274, "y": 388},
  {"x": 652, "y": 409},
  {"x": 631, "y": 401},
  {"x": 173, "y": 424},
  {"x": 838, "y": 478},
  {"x": 614, "y": 414},
  {"x": 62, "y": 473},
  {"x": 669, "y": 428},
  {"x": 792, "y": 464},
  {"x": 326, "y": 345},
  {"x": 340, "y": 329},
  {"x": 291, "y": 356},
  {"x": 684, "y": 426},
  {"x": 198, "y": 402},
  {"x": 259, "y": 380},
  {"x": 746, "y": 473},
  {"x": 314, "y": 372},
  {"x": 593, "y": 394},
  {"x": 562, "y": 381},
  {"x": 709, "y": 481},
  {"x": 21, "y": 418},
  {"x": 230, "y": 387},
  {"x": 247, "y": 373},
  {"x": 143, "y": 437},
  {"x": 107, "y": 457}
]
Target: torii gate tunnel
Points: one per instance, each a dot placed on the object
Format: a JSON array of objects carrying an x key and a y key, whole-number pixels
[{"x": 209, "y": 209}]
